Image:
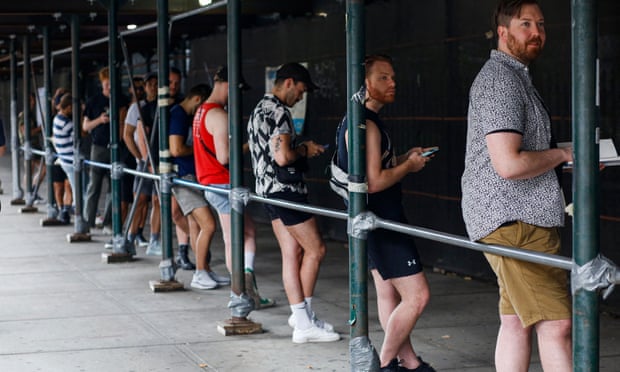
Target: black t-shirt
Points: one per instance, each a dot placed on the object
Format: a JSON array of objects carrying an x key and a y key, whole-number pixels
[{"x": 95, "y": 107}]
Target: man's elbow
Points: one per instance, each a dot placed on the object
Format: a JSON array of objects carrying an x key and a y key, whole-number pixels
[
  {"x": 175, "y": 152},
  {"x": 508, "y": 173}
]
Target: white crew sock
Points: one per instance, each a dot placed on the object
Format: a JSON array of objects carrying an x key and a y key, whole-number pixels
[{"x": 302, "y": 321}]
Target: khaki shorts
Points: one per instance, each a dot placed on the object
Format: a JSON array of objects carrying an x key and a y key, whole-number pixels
[
  {"x": 189, "y": 198},
  {"x": 533, "y": 292}
]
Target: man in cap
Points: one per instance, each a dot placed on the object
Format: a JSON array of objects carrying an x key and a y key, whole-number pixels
[{"x": 278, "y": 164}]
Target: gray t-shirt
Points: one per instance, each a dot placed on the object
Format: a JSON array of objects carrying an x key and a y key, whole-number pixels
[{"x": 502, "y": 98}]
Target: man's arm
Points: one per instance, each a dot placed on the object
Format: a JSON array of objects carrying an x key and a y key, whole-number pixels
[
  {"x": 284, "y": 155},
  {"x": 178, "y": 147},
  {"x": 128, "y": 134},
  {"x": 512, "y": 163},
  {"x": 380, "y": 179},
  {"x": 90, "y": 124}
]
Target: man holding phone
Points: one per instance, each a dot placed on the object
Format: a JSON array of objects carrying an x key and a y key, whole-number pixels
[{"x": 402, "y": 290}]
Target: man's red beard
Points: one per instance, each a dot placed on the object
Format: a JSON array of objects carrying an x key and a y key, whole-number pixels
[{"x": 525, "y": 52}]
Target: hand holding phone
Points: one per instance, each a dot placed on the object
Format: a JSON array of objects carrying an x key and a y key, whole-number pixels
[{"x": 430, "y": 151}]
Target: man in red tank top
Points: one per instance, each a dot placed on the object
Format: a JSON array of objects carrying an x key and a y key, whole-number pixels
[{"x": 211, "y": 156}]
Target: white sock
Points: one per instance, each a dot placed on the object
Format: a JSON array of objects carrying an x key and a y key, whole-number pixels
[
  {"x": 249, "y": 260},
  {"x": 302, "y": 321},
  {"x": 309, "y": 306}
]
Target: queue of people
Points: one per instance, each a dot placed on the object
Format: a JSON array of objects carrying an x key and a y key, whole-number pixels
[{"x": 511, "y": 194}]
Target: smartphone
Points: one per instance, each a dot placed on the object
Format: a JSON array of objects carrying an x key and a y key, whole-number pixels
[
  {"x": 326, "y": 146},
  {"x": 430, "y": 152}
]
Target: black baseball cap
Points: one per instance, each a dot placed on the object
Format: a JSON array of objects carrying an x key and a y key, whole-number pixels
[
  {"x": 297, "y": 72},
  {"x": 221, "y": 74}
]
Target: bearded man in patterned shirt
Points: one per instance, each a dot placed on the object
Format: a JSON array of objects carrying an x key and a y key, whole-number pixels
[{"x": 512, "y": 196}]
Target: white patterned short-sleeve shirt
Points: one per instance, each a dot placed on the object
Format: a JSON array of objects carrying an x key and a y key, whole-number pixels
[
  {"x": 502, "y": 98},
  {"x": 269, "y": 119}
]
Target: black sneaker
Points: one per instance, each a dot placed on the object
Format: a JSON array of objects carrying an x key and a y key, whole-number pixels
[
  {"x": 391, "y": 367},
  {"x": 423, "y": 367}
]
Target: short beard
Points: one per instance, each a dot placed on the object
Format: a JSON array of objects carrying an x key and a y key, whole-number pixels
[{"x": 521, "y": 51}]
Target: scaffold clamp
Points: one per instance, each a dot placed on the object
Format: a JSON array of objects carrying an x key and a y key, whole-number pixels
[
  {"x": 359, "y": 225},
  {"x": 239, "y": 198},
  {"x": 598, "y": 273},
  {"x": 27, "y": 150},
  {"x": 49, "y": 155},
  {"x": 117, "y": 170},
  {"x": 166, "y": 182},
  {"x": 78, "y": 161}
]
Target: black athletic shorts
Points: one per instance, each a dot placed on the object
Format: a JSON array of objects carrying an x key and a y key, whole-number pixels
[
  {"x": 58, "y": 175},
  {"x": 289, "y": 217}
]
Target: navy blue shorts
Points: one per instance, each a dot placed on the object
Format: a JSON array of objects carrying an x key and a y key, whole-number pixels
[
  {"x": 289, "y": 217},
  {"x": 393, "y": 254}
]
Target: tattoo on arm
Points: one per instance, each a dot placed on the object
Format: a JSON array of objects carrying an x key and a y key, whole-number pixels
[{"x": 278, "y": 144}]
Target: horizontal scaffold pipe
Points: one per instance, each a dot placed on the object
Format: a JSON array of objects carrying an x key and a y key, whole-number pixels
[
  {"x": 141, "y": 28},
  {"x": 561, "y": 262}
]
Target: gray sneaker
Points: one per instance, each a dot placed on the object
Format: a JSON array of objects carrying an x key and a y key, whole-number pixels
[
  {"x": 220, "y": 279},
  {"x": 154, "y": 248},
  {"x": 202, "y": 280}
]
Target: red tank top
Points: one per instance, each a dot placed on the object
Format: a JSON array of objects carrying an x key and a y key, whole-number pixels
[{"x": 209, "y": 170}]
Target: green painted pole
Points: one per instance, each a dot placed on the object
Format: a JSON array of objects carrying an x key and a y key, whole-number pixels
[
  {"x": 165, "y": 164},
  {"x": 27, "y": 124},
  {"x": 18, "y": 192},
  {"x": 236, "y": 160},
  {"x": 52, "y": 212},
  {"x": 363, "y": 356},
  {"x": 81, "y": 226},
  {"x": 586, "y": 190},
  {"x": 115, "y": 92}
]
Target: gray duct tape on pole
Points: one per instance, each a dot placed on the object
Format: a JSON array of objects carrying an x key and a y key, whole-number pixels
[
  {"x": 598, "y": 273},
  {"x": 364, "y": 357},
  {"x": 239, "y": 197},
  {"x": 359, "y": 225},
  {"x": 49, "y": 155},
  {"x": 117, "y": 170},
  {"x": 240, "y": 305}
]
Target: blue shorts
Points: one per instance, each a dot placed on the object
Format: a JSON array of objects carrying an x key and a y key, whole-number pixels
[
  {"x": 289, "y": 217},
  {"x": 219, "y": 201}
]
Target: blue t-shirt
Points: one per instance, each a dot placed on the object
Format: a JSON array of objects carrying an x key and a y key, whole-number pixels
[{"x": 181, "y": 125}]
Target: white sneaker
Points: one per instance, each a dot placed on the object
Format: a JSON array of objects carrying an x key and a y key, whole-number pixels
[
  {"x": 154, "y": 248},
  {"x": 314, "y": 334},
  {"x": 219, "y": 279},
  {"x": 109, "y": 244},
  {"x": 202, "y": 280},
  {"x": 292, "y": 321}
]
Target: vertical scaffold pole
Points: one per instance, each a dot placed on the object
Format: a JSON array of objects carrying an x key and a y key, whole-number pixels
[
  {"x": 236, "y": 165},
  {"x": 18, "y": 192},
  {"x": 167, "y": 268},
  {"x": 52, "y": 212},
  {"x": 115, "y": 92},
  {"x": 586, "y": 190},
  {"x": 81, "y": 228},
  {"x": 26, "y": 117},
  {"x": 363, "y": 355}
]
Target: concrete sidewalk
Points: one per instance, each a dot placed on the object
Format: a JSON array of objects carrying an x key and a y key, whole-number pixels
[{"x": 62, "y": 309}]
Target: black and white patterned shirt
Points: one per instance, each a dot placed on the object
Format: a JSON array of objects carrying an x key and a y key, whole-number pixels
[
  {"x": 270, "y": 118},
  {"x": 502, "y": 98}
]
